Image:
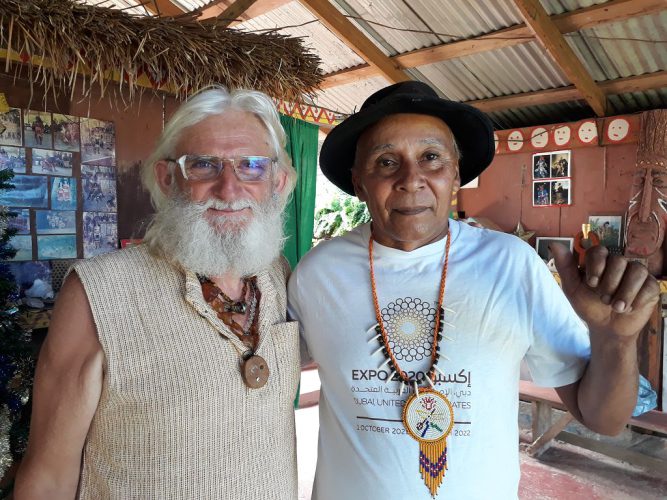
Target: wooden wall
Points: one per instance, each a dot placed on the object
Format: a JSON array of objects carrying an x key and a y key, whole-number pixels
[{"x": 601, "y": 181}]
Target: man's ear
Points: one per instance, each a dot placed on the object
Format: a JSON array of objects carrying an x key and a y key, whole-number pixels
[
  {"x": 164, "y": 176},
  {"x": 280, "y": 181},
  {"x": 359, "y": 191},
  {"x": 456, "y": 185}
]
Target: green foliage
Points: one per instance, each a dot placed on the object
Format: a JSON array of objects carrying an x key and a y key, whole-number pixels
[{"x": 343, "y": 214}]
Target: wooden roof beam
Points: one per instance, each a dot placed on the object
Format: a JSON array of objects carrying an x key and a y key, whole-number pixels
[
  {"x": 243, "y": 10},
  {"x": 555, "y": 44},
  {"x": 639, "y": 83},
  {"x": 333, "y": 19},
  {"x": 163, "y": 8},
  {"x": 568, "y": 22}
]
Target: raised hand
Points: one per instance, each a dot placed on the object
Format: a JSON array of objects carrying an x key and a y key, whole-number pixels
[{"x": 614, "y": 296}]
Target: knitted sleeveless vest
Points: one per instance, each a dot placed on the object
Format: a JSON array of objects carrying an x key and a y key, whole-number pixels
[{"x": 175, "y": 419}]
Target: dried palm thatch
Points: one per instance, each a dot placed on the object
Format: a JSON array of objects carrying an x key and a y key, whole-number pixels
[{"x": 183, "y": 54}]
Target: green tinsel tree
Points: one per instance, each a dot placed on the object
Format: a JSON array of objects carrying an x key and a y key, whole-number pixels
[{"x": 16, "y": 353}]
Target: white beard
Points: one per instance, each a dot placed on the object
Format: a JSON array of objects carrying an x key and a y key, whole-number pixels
[{"x": 241, "y": 246}]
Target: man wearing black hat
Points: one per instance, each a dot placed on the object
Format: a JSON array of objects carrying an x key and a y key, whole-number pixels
[{"x": 419, "y": 323}]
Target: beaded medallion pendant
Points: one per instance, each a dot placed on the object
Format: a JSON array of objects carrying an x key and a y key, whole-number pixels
[{"x": 428, "y": 416}]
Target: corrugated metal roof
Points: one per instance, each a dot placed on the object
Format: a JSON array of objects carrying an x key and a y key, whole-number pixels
[
  {"x": 511, "y": 70},
  {"x": 608, "y": 51},
  {"x": 335, "y": 55}
]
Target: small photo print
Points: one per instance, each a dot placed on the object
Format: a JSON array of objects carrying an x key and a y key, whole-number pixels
[
  {"x": 29, "y": 191},
  {"x": 13, "y": 158},
  {"x": 55, "y": 222},
  {"x": 608, "y": 228},
  {"x": 100, "y": 233},
  {"x": 63, "y": 193},
  {"x": 10, "y": 128},
  {"x": 541, "y": 196},
  {"x": 66, "y": 132},
  {"x": 560, "y": 192},
  {"x": 56, "y": 247},
  {"x": 20, "y": 221},
  {"x": 560, "y": 164},
  {"x": 23, "y": 246},
  {"x": 541, "y": 166},
  {"x": 99, "y": 188},
  {"x": 37, "y": 129},
  {"x": 26, "y": 273},
  {"x": 98, "y": 142},
  {"x": 48, "y": 161},
  {"x": 542, "y": 246}
]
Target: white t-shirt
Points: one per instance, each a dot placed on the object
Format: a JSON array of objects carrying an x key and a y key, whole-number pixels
[{"x": 502, "y": 304}]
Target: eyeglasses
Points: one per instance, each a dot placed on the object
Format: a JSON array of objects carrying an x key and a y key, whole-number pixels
[{"x": 206, "y": 168}]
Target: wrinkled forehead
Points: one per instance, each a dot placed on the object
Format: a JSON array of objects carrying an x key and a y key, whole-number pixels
[{"x": 405, "y": 130}]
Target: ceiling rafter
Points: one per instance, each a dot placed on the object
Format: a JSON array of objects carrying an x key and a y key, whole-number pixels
[
  {"x": 163, "y": 8},
  {"x": 226, "y": 14},
  {"x": 557, "y": 47},
  {"x": 255, "y": 8},
  {"x": 568, "y": 22},
  {"x": 639, "y": 83},
  {"x": 333, "y": 19}
]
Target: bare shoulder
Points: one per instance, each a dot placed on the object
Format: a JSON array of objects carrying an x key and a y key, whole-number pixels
[{"x": 72, "y": 333}]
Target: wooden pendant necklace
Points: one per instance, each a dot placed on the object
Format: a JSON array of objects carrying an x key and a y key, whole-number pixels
[
  {"x": 254, "y": 368},
  {"x": 428, "y": 416}
]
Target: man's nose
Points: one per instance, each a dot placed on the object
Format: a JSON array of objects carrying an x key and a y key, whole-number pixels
[
  {"x": 647, "y": 192},
  {"x": 410, "y": 176},
  {"x": 227, "y": 184}
]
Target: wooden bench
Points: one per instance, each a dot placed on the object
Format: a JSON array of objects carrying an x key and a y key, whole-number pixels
[{"x": 543, "y": 400}]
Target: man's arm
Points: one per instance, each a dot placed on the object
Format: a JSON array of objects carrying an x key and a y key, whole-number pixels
[
  {"x": 616, "y": 299},
  {"x": 68, "y": 383}
]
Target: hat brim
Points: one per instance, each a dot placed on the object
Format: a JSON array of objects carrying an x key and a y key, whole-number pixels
[{"x": 471, "y": 128}]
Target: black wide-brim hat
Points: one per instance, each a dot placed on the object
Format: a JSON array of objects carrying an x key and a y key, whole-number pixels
[{"x": 472, "y": 130}]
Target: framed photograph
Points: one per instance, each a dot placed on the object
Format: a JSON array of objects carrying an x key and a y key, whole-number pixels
[
  {"x": 560, "y": 192},
  {"x": 542, "y": 245},
  {"x": 56, "y": 247},
  {"x": 25, "y": 274},
  {"x": 63, "y": 193},
  {"x": 100, "y": 233},
  {"x": 20, "y": 221},
  {"x": 29, "y": 191},
  {"x": 541, "y": 166},
  {"x": 560, "y": 164},
  {"x": 99, "y": 188},
  {"x": 608, "y": 227},
  {"x": 66, "y": 132},
  {"x": 37, "y": 128},
  {"x": 48, "y": 161},
  {"x": 55, "y": 222},
  {"x": 23, "y": 246},
  {"x": 10, "y": 128},
  {"x": 541, "y": 193},
  {"x": 98, "y": 142},
  {"x": 12, "y": 157}
]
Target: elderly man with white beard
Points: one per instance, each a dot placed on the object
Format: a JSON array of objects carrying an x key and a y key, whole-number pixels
[{"x": 169, "y": 370}]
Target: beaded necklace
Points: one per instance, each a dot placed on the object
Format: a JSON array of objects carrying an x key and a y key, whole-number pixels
[
  {"x": 254, "y": 369},
  {"x": 428, "y": 416}
]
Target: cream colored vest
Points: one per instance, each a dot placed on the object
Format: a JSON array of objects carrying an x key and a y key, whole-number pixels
[{"x": 175, "y": 419}]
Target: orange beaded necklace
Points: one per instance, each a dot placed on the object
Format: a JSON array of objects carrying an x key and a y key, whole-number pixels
[
  {"x": 438, "y": 318},
  {"x": 428, "y": 416}
]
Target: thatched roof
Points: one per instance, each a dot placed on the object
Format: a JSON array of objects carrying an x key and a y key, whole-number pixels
[{"x": 73, "y": 38}]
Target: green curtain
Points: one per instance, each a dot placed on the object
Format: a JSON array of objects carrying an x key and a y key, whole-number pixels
[{"x": 300, "y": 211}]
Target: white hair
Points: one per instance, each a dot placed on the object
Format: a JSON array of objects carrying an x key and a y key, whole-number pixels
[{"x": 217, "y": 101}]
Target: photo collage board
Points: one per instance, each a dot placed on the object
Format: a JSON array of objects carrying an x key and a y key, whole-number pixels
[
  {"x": 65, "y": 187},
  {"x": 552, "y": 179}
]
